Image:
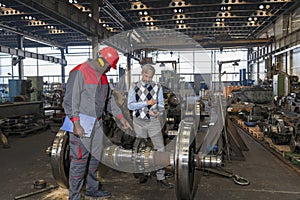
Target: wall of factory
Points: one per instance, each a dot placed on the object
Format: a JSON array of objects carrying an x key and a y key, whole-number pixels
[
  {"x": 286, "y": 61},
  {"x": 51, "y": 72},
  {"x": 230, "y": 72},
  {"x": 284, "y": 25},
  {"x": 279, "y": 27},
  {"x": 258, "y": 71},
  {"x": 295, "y": 16},
  {"x": 296, "y": 62},
  {"x": 187, "y": 63},
  {"x": 195, "y": 61}
]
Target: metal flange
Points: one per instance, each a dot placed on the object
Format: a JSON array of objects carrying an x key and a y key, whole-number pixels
[
  {"x": 185, "y": 161},
  {"x": 60, "y": 159},
  {"x": 4, "y": 140}
]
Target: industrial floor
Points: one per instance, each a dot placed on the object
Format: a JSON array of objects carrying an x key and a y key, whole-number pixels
[{"x": 26, "y": 161}]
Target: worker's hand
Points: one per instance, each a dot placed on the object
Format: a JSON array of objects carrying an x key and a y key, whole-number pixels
[
  {"x": 125, "y": 124},
  {"x": 78, "y": 130},
  {"x": 151, "y": 102}
]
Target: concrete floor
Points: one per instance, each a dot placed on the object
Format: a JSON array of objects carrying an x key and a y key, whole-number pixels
[{"x": 26, "y": 162}]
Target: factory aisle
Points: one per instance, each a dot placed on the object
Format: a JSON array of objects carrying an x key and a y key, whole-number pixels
[{"x": 26, "y": 162}]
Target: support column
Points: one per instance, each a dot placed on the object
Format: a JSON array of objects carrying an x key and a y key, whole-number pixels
[
  {"x": 128, "y": 70},
  {"x": 37, "y": 63},
  {"x": 220, "y": 76},
  {"x": 193, "y": 61},
  {"x": 95, "y": 39},
  {"x": 257, "y": 61},
  {"x": 286, "y": 62},
  {"x": 270, "y": 62},
  {"x": 248, "y": 63},
  {"x": 291, "y": 62},
  {"x": 20, "y": 64},
  {"x": 63, "y": 72}
]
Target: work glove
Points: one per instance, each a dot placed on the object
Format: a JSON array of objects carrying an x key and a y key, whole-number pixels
[{"x": 78, "y": 130}]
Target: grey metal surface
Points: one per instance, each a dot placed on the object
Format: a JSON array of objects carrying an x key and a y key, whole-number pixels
[
  {"x": 16, "y": 109},
  {"x": 60, "y": 162},
  {"x": 213, "y": 23},
  {"x": 26, "y": 162},
  {"x": 216, "y": 124},
  {"x": 184, "y": 161}
]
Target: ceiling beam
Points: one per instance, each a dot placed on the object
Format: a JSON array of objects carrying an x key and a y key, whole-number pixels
[
  {"x": 64, "y": 13},
  {"x": 28, "y": 54},
  {"x": 237, "y": 43},
  {"x": 32, "y": 37}
]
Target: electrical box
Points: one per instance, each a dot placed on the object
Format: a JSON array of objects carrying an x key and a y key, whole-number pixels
[{"x": 16, "y": 88}]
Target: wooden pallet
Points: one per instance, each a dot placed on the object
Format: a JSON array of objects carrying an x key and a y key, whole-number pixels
[
  {"x": 254, "y": 131},
  {"x": 282, "y": 149},
  {"x": 26, "y": 132}
]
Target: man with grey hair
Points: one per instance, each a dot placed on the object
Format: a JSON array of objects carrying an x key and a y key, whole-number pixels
[{"x": 145, "y": 99}]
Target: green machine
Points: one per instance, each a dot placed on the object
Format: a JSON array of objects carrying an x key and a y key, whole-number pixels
[
  {"x": 37, "y": 88},
  {"x": 281, "y": 85}
]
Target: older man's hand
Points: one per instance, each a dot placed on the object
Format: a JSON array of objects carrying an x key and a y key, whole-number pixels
[{"x": 151, "y": 102}]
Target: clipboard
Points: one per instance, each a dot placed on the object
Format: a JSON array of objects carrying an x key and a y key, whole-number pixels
[{"x": 86, "y": 121}]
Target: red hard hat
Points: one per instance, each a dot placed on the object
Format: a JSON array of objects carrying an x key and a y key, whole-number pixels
[{"x": 110, "y": 55}]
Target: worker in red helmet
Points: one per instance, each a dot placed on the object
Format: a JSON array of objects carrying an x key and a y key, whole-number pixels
[{"x": 84, "y": 102}]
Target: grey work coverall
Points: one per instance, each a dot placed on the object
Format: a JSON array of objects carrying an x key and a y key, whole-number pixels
[{"x": 86, "y": 93}]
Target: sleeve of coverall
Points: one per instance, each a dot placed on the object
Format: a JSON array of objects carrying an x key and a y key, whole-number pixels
[
  {"x": 113, "y": 108},
  {"x": 74, "y": 88},
  {"x": 132, "y": 103}
]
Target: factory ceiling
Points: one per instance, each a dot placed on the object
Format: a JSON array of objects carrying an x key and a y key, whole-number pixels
[{"x": 211, "y": 23}]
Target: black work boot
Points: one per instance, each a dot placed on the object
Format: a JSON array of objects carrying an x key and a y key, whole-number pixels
[
  {"x": 165, "y": 184},
  {"x": 97, "y": 195}
]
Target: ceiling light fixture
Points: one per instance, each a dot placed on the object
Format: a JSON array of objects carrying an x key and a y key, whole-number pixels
[
  {"x": 36, "y": 23},
  {"x": 10, "y": 11},
  {"x": 261, "y": 7},
  {"x": 179, "y": 3},
  {"x": 81, "y": 8},
  {"x": 56, "y": 31},
  {"x": 138, "y": 6}
]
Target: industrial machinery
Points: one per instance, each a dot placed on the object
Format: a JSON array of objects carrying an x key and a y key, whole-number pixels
[
  {"x": 257, "y": 95},
  {"x": 295, "y": 141},
  {"x": 53, "y": 101},
  {"x": 279, "y": 131},
  {"x": 22, "y": 117},
  {"x": 184, "y": 157},
  {"x": 20, "y": 90},
  {"x": 23, "y": 113}
]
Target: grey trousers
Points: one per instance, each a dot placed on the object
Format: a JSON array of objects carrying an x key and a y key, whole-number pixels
[
  {"x": 151, "y": 128},
  {"x": 80, "y": 153}
]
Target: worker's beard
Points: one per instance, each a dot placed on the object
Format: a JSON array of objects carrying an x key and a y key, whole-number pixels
[{"x": 99, "y": 68}]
